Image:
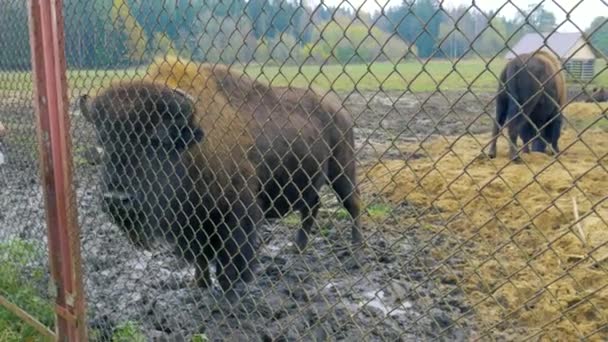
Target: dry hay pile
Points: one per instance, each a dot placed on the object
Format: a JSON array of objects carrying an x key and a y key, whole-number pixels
[{"x": 528, "y": 270}]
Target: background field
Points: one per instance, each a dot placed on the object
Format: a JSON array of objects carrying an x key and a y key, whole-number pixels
[
  {"x": 418, "y": 130},
  {"x": 415, "y": 76}
]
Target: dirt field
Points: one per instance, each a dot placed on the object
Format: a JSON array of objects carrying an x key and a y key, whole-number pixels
[
  {"x": 527, "y": 270},
  {"x": 430, "y": 270},
  {"x": 387, "y": 292}
]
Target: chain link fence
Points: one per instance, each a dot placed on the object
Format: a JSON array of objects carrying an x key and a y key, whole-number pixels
[
  {"x": 309, "y": 170},
  {"x": 24, "y": 276}
]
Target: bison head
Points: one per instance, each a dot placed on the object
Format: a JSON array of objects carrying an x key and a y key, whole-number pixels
[{"x": 145, "y": 131}]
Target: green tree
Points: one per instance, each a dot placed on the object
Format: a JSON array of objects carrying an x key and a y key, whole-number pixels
[
  {"x": 92, "y": 40},
  {"x": 282, "y": 49},
  {"x": 453, "y": 42},
  {"x": 428, "y": 12},
  {"x": 258, "y": 16},
  {"x": 492, "y": 40},
  {"x": 540, "y": 19},
  {"x": 355, "y": 42},
  {"x": 14, "y": 36},
  {"x": 221, "y": 39},
  {"x": 465, "y": 31},
  {"x": 416, "y": 22},
  {"x": 598, "y": 34},
  {"x": 125, "y": 21}
]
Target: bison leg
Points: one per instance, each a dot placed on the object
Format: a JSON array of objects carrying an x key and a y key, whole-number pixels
[
  {"x": 552, "y": 133},
  {"x": 236, "y": 250},
  {"x": 201, "y": 274},
  {"x": 514, "y": 130},
  {"x": 526, "y": 143},
  {"x": 527, "y": 134},
  {"x": 348, "y": 193},
  {"x": 308, "y": 214},
  {"x": 539, "y": 145},
  {"x": 492, "y": 150},
  {"x": 502, "y": 106},
  {"x": 194, "y": 244}
]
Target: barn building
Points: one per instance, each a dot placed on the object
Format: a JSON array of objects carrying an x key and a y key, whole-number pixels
[{"x": 572, "y": 48}]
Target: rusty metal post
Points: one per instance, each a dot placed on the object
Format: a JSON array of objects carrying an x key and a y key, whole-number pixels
[{"x": 50, "y": 98}]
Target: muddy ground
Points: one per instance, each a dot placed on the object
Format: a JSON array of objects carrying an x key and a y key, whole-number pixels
[{"x": 393, "y": 290}]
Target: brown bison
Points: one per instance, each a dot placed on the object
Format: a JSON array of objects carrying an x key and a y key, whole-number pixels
[
  {"x": 532, "y": 85},
  {"x": 198, "y": 155},
  {"x": 597, "y": 95}
]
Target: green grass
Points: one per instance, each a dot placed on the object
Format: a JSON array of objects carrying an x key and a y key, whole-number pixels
[
  {"x": 385, "y": 76},
  {"x": 342, "y": 214},
  {"x": 128, "y": 332},
  {"x": 77, "y": 79},
  {"x": 440, "y": 74},
  {"x": 378, "y": 211},
  {"x": 292, "y": 219},
  {"x": 595, "y": 123},
  {"x": 125, "y": 332},
  {"x": 199, "y": 338},
  {"x": 14, "y": 256},
  {"x": 325, "y": 229}
]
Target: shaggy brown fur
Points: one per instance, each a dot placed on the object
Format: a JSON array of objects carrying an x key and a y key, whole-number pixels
[
  {"x": 535, "y": 83},
  {"x": 302, "y": 140},
  {"x": 230, "y": 142}
]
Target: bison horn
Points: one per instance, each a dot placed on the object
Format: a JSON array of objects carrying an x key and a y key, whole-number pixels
[{"x": 184, "y": 94}]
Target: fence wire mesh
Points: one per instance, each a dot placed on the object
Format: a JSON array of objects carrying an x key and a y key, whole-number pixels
[
  {"x": 309, "y": 170},
  {"x": 24, "y": 277}
]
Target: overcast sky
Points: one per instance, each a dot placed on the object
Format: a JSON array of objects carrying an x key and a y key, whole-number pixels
[{"x": 581, "y": 12}]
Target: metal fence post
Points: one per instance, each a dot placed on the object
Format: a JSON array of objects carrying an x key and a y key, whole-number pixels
[{"x": 50, "y": 93}]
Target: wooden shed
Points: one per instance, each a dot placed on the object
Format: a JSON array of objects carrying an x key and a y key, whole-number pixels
[{"x": 572, "y": 48}]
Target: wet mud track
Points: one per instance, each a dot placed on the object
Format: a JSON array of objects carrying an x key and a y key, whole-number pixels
[
  {"x": 384, "y": 292},
  {"x": 390, "y": 290}
]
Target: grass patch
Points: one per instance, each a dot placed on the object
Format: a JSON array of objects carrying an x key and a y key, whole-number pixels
[
  {"x": 77, "y": 79},
  {"x": 411, "y": 75},
  {"x": 416, "y": 76},
  {"x": 598, "y": 123},
  {"x": 325, "y": 230},
  {"x": 128, "y": 332},
  {"x": 15, "y": 255},
  {"x": 585, "y": 116},
  {"x": 342, "y": 214},
  {"x": 378, "y": 211},
  {"x": 292, "y": 219},
  {"x": 200, "y": 338}
]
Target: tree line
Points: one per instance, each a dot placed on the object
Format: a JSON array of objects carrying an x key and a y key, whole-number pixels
[{"x": 119, "y": 33}]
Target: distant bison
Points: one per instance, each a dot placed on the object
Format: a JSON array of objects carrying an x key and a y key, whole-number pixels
[
  {"x": 200, "y": 154},
  {"x": 536, "y": 84},
  {"x": 597, "y": 95}
]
